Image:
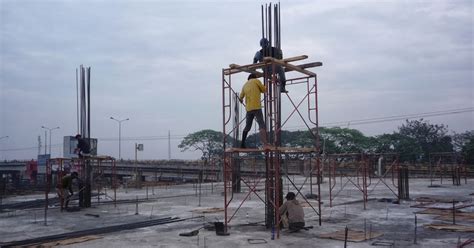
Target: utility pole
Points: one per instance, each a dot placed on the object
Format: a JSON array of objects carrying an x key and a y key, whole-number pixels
[
  {"x": 45, "y": 141},
  {"x": 50, "y": 130},
  {"x": 169, "y": 145},
  {"x": 120, "y": 132},
  {"x": 39, "y": 144}
]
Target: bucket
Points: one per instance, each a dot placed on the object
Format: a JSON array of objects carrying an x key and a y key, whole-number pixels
[{"x": 219, "y": 228}]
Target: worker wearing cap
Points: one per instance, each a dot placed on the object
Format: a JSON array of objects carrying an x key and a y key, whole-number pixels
[
  {"x": 252, "y": 91},
  {"x": 294, "y": 211},
  {"x": 269, "y": 51}
]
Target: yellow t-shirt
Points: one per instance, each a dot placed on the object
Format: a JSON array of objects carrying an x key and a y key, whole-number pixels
[{"x": 251, "y": 91}]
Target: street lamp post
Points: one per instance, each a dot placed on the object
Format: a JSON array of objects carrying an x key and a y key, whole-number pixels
[
  {"x": 3, "y": 137},
  {"x": 50, "y": 131},
  {"x": 120, "y": 132}
]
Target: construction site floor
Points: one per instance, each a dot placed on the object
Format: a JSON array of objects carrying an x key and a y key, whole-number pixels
[{"x": 383, "y": 223}]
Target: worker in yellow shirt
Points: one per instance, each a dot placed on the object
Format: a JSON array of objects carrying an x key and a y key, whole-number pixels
[{"x": 252, "y": 91}]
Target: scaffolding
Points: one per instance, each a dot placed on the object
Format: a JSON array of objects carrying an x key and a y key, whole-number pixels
[
  {"x": 446, "y": 165},
  {"x": 275, "y": 120},
  {"x": 366, "y": 172},
  {"x": 103, "y": 176}
]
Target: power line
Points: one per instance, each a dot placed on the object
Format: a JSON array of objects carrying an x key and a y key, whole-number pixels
[
  {"x": 401, "y": 117},
  {"x": 329, "y": 124},
  {"x": 140, "y": 138},
  {"x": 391, "y": 118}
]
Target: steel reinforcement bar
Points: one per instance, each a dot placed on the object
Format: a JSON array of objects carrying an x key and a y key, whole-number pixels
[{"x": 95, "y": 231}]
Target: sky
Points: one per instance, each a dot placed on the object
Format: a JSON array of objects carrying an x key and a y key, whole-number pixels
[{"x": 159, "y": 63}]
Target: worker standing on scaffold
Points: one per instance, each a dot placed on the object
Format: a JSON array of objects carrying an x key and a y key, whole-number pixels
[
  {"x": 252, "y": 91},
  {"x": 83, "y": 149},
  {"x": 269, "y": 51}
]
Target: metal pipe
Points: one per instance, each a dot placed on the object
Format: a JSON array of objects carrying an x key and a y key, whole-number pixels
[
  {"x": 346, "y": 231},
  {"x": 454, "y": 212},
  {"x": 77, "y": 100},
  {"x": 416, "y": 226}
]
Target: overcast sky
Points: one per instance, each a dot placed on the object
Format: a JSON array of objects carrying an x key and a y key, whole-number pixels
[{"x": 159, "y": 63}]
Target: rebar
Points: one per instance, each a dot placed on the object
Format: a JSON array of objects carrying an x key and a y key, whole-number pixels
[{"x": 95, "y": 231}]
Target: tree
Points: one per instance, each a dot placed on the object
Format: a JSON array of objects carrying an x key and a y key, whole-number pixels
[
  {"x": 345, "y": 140},
  {"x": 209, "y": 142},
  {"x": 464, "y": 143},
  {"x": 407, "y": 147},
  {"x": 430, "y": 138},
  {"x": 297, "y": 139}
]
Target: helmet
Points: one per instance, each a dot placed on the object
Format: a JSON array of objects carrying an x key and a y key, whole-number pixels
[
  {"x": 78, "y": 136},
  {"x": 264, "y": 42}
]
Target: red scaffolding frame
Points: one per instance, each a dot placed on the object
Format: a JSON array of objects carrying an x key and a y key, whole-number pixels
[
  {"x": 63, "y": 166},
  {"x": 358, "y": 169},
  {"x": 443, "y": 163},
  {"x": 274, "y": 121}
]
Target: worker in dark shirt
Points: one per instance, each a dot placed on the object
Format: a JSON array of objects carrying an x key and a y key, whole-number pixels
[
  {"x": 65, "y": 189},
  {"x": 274, "y": 52},
  {"x": 83, "y": 148}
]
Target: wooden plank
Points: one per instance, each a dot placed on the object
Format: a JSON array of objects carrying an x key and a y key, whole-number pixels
[
  {"x": 234, "y": 68},
  {"x": 450, "y": 227},
  {"x": 66, "y": 241},
  {"x": 288, "y": 65},
  {"x": 352, "y": 235},
  {"x": 459, "y": 217},
  {"x": 436, "y": 211},
  {"x": 304, "y": 66},
  {"x": 208, "y": 210},
  {"x": 296, "y": 58},
  {"x": 246, "y": 69}
]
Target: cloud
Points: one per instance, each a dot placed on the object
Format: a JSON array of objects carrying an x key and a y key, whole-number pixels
[{"x": 160, "y": 63}]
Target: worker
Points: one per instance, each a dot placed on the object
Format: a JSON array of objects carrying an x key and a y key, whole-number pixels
[
  {"x": 269, "y": 51},
  {"x": 83, "y": 148},
  {"x": 252, "y": 90},
  {"x": 65, "y": 189},
  {"x": 292, "y": 213}
]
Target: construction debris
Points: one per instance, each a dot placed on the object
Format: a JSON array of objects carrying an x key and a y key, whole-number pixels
[
  {"x": 67, "y": 241},
  {"x": 450, "y": 227},
  {"x": 207, "y": 210},
  {"x": 256, "y": 241},
  {"x": 352, "y": 235}
]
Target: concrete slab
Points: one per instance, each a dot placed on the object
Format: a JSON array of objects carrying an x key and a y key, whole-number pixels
[{"x": 395, "y": 221}]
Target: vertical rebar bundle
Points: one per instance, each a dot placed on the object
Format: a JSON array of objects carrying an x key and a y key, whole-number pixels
[
  {"x": 274, "y": 191},
  {"x": 85, "y": 128},
  {"x": 403, "y": 185}
]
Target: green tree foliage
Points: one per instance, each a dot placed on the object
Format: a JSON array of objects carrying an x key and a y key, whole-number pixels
[
  {"x": 345, "y": 140},
  {"x": 297, "y": 139},
  {"x": 464, "y": 143},
  {"x": 428, "y": 137},
  {"x": 407, "y": 147},
  {"x": 414, "y": 141},
  {"x": 209, "y": 142}
]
